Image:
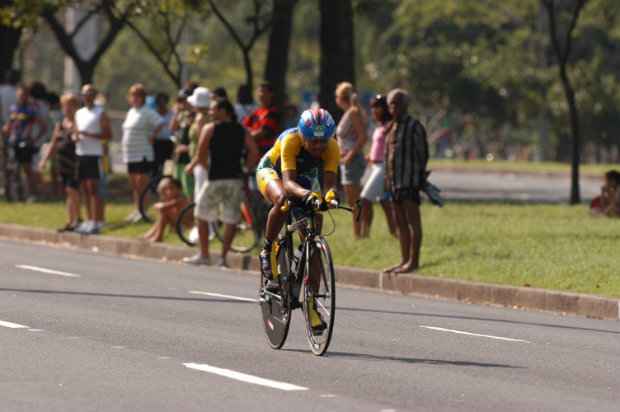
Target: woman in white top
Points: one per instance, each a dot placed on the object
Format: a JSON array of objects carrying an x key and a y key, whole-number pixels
[{"x": 140, "y": 127}]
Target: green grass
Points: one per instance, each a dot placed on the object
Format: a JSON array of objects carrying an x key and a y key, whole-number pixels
[
  {"x": 547, "y": 246},
  {"x": 519, "y": 166}
]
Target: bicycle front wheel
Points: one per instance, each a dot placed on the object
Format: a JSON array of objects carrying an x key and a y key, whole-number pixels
[
  {"x": 276, "y": 307},
  {"x": 319, "y": 295}
]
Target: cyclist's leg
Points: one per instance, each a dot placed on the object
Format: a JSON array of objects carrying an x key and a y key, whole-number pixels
[{"x": 271, "y": 187}]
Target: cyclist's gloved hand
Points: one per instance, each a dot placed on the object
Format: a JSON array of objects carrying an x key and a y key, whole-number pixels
[
  {"x": 331, "y": 196},
  {"x": 312, "y": 200}
]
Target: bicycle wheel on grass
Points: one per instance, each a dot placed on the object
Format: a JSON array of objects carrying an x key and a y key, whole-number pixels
[
  {"x": 276, "y": 310},
  {"x": 319, "y": 262},
  {"x": 148, "y": 198},
  {"x": 188, "y": 233},
  {"x": 248, "y": 234}
]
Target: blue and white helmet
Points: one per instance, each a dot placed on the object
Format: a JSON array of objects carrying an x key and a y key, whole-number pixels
[{"x": 316, "y": 124}]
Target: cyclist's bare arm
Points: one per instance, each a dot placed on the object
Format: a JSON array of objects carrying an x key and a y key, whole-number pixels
[
  {"x": 291, "y": 187},
  {"x": 329, "y": 182}
]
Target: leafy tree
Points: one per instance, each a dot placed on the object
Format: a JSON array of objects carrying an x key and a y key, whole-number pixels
[
  {"x": 116, "y": 15},
  {"x": 279, "y": 45},
  {"x": 259, "y": 21},
  {"x": 562, "y": 41},
  {"x": 160, "y": 26},
  {"x": 337, "y": 49}
]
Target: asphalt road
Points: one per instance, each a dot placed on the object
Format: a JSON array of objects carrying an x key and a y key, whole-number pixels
[
  {"x": 489, "y": 186},
  {"x": 85, "y": 332}
]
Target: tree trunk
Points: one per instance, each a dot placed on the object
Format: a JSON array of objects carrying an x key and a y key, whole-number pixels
[
  {"x": 337, "y": 57},
  {"x": 9, "y": 42},
  {"x": 279, "y": 43},
  {"x": 575, "y": 196},
  {"x": 249, "y": 73},
  {"x": 87, "y": 71}
]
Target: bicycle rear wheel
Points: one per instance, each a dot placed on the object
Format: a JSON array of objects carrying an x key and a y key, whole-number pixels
[
  {"x": 247, "y": 236},
  {"x": 276, "y": 308},
  {"x": 323, "y": 294}
]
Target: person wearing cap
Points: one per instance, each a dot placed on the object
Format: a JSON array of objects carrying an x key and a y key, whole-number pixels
[
  {"x": 406, "y": 157},
  {"x": 140, "y": 128},
  {"x": 200, "y": 101}
]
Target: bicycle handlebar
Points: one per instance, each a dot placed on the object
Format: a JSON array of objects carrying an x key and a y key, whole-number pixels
[{"x": 333, "y": 204}]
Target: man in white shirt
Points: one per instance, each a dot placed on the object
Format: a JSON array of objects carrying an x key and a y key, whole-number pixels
[{"x": 93, "y": 127}]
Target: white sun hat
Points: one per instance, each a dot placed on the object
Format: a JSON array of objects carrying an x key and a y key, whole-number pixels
[{"x": 200, "y": 98}]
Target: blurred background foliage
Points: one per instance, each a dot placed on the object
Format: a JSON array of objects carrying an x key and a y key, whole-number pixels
[{"x": 482, "y": 73}]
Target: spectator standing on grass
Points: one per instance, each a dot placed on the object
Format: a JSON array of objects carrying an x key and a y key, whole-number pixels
[
  {"x": 351, "y": 134},
  {"x": 93, "y": 130},
  {"x": 163, "y": 146},
  {"x": 140, "y": 128},
  {"x": 406, "y": 157},
  {"x": 374, "y": 189},
  {"x": 222, "y": 149},
  {"x": 264, "y": 122},
  {"x": 62, "y": 146},
  {"x": 181, "y": 123},
  {"x": 245, "y": 103},
  {"x": 23, "y": 129},
  {"x": 200, "y": 101}
]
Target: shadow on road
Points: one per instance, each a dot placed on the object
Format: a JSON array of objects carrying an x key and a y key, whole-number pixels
[
  {"x": 513, "y": 322},
  {"x": 128, "y": 296},
  {"x": 366, "y": 356}
]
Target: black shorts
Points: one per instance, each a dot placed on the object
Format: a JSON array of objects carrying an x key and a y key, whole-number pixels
[
  {"x": 24, "y": 152},
  {"x": 401, "y": 195},
  {"x": 89, "y": 168},
  {"x": 143, "y": 168},
  {"x": 70, "y": 181},
  {"x": 163, "y": 151}
]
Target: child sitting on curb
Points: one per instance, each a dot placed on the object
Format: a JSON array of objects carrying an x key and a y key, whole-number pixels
[
  {"x": 608, "y": 203},
  {"x": 172, "y": 201}
]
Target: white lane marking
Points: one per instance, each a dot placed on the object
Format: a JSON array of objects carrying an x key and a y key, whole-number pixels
[
  {"x": 460, "y": 332},
  {"x": 244, "y": 377},
  {"x": 35, "y": 330},
  {"x": 12, "y": 325},
  {"x": 219, "y": 295},
  {"x": 49, "y": 271}
]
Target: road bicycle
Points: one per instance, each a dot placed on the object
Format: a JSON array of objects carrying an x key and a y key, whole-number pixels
[
  {"x": 293, "y": 268},
  {"x": 149, "y": 197},
  {"x": 249, "y": 230}
]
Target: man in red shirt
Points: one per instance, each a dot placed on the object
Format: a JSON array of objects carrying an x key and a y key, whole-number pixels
[{"x": 264, "y": 123}]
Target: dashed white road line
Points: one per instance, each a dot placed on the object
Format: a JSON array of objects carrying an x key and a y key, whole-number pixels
[
  {"x": 12, "y": 325},
  {"x": 460, "y": 332},
  {"x": 48, "y": 271},
  {"x": 219, "y": 295},
  {"x": 244, "y": 377}
]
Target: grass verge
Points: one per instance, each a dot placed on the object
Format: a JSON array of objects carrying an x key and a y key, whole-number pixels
[{"x": 547, "y": 246}]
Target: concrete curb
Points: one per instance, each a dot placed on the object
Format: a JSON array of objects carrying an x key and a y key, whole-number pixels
[{"x": 469, "y": 292}]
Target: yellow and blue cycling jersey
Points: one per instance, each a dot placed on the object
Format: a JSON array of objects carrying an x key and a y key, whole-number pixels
[{"x": 288, "y": 154}]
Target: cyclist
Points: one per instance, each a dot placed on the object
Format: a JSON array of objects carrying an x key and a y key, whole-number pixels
[{"x": 306, "y": 153}]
